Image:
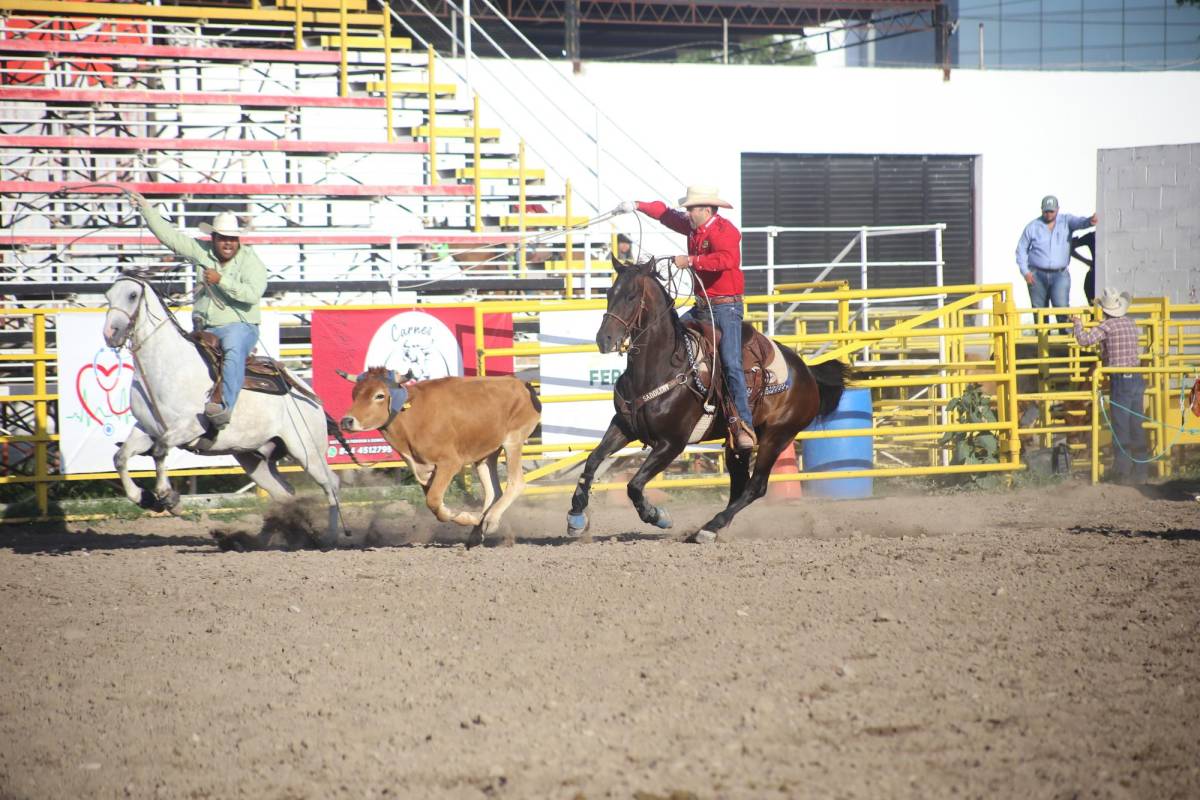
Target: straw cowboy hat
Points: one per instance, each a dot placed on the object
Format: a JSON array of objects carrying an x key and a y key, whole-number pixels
[
  {"x": 702, "y": 196},
  {"x": 1113, "y": 303},
  {"x": 226, "y": 223}
]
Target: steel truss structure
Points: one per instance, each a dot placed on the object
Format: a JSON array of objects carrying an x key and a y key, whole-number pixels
[{"x": 611, "y": 29}]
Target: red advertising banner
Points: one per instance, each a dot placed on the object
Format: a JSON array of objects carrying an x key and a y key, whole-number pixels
[{"x": 432, "y": 341}]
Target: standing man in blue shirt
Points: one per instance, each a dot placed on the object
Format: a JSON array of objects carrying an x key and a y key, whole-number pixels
[{"x": 1043, "y": 253}]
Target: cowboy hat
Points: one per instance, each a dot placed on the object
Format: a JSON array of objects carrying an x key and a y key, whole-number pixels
[
  {"x": 226, "y": 224},
  {"x": 702, "y": 196},
  {"x": 1113, "y": 303}
]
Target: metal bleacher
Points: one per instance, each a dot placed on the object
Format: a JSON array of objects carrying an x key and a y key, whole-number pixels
[{"x": 351, "y": 154}]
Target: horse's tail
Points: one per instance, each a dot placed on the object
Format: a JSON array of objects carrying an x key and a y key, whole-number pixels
[
  {"x": 831, "y": 379},
  {"x": 331, "y": 427}
]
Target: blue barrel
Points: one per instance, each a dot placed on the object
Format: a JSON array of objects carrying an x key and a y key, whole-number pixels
[{"x": 845, "y": 453}]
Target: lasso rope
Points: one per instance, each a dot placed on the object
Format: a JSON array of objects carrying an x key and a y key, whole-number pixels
[
  {"x": 521, "y": 240},
  {"x": 1179, "y": 430}
]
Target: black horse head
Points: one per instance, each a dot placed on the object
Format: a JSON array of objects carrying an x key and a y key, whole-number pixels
[{"x": 636, "y": 299}]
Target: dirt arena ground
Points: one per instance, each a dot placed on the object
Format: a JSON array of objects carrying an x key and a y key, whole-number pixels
[{"x": 1038, "y": 643}]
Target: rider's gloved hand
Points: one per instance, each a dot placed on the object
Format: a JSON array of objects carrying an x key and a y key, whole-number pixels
[{"x": 625, "y": 207}]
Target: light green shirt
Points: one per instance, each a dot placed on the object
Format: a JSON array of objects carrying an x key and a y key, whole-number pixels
[{"x": 243, "y": 277}]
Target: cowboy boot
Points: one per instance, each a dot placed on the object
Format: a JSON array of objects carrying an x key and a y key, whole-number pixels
[
  {"x": 217, "y": 414},
  {"x": 743, "y": 436}
]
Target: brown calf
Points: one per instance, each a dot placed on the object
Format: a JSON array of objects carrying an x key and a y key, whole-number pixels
[{"x": 439, "y": 426}]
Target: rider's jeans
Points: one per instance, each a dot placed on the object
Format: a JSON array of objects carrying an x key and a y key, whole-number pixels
[
  {"x": 1129, "y": 449},
  {"x": 728, "y": 319},
  {"x": 237, "y": 340}
]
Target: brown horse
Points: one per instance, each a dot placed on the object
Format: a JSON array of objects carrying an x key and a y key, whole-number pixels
[
  {"x": 487, "y": 258},
  {"x": 654, "y": 403}
]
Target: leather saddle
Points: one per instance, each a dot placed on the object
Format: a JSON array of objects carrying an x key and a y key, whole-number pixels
[
  {"x": 763, "y": 365},
  {"x": 263, "y": 375}
]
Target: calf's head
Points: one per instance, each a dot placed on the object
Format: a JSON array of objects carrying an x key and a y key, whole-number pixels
[{"x": 378, "y": 396}]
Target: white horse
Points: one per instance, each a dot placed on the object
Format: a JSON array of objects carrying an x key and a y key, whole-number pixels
[{"x": 171, "y": 384}]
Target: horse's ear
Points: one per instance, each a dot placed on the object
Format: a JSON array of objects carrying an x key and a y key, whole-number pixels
[
  {"x": 345, "y": 375},
  {"x": 410, "y": 375},
  {"x": 647, "y": 267},
  {"x": 618, "y": 265}
]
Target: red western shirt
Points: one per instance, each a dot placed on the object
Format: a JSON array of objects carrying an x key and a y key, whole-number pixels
[{"x": 715, "y": 248}]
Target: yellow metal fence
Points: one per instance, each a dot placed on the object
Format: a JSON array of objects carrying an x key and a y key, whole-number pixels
[{"x": 914, "y": 360}]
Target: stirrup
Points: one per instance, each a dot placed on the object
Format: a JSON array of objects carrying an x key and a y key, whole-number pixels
[{"x": 744, "y": 437}]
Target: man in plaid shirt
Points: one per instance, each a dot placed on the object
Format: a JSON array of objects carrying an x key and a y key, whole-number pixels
[{"x": 1118, "y": 340}]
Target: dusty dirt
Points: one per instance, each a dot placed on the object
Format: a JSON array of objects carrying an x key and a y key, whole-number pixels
[{"x": 1034, "y": 643}]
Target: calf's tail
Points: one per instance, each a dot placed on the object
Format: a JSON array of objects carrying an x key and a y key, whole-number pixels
[{"x": 537, "y": 403}]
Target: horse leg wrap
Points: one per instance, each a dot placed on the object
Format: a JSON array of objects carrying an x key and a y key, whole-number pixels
[
  {"x": 577, "y": 523},
  {"x": 661, "y": 518},
  {"x": 333, "y": 527}
]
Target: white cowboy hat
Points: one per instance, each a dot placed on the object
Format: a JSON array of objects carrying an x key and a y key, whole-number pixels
[
  {"x": 226, "y": 223},
  {"x": 702, "y": 196},
  {"x": 1114, "y": 303}
]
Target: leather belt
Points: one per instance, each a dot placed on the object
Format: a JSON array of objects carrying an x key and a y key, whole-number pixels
[{"x": 719, "y": 300}]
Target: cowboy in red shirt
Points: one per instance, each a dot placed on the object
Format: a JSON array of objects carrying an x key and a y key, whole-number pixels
[{"x": 715, "y": 256}]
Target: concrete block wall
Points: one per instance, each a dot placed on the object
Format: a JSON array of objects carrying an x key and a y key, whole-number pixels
[{"x": 1148, "y": 238}]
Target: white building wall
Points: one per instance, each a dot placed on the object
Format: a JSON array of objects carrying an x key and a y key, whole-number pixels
[{"x": 1035, "y": 133}]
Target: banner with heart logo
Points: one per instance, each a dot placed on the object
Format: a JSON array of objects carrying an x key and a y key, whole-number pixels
[{"x": 95, "y": 385}]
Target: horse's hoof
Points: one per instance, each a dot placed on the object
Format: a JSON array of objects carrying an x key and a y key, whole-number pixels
[
  {"x": 703, "y": 537},
  {"x": 475, "y": 538},
  {"x": 577, "y": 524},
  {"x": 663, "y": 519},
  {"x": 168, "y": 501},
  {"x": 148, "y": 501}
]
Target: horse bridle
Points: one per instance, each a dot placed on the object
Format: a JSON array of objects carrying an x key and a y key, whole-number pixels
[
  {"x": 635, "y": 319},
  {"x": 137, "y": 311},
  {"x": 627, "y": 340}
]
